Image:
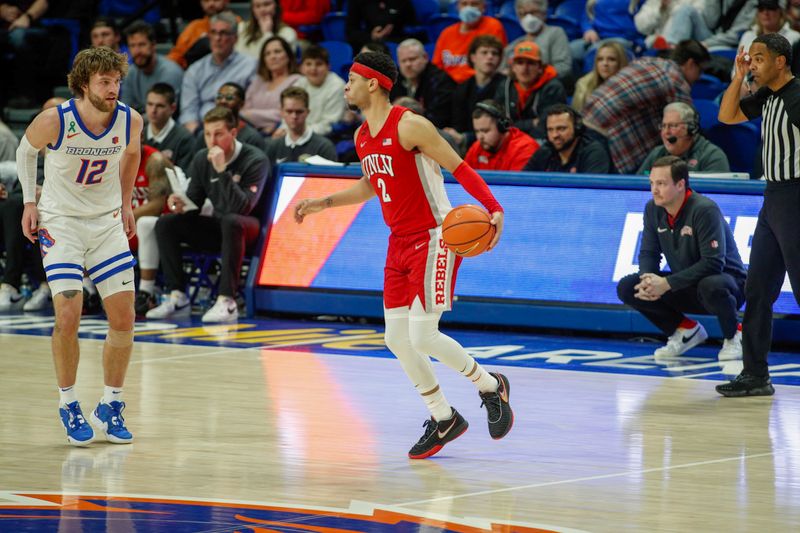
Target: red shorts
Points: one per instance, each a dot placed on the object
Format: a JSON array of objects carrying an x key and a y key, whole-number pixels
[{"x": 420, "y": 265}]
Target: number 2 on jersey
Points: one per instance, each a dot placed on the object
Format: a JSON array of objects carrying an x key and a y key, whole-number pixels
[
  {"x": 90, "y": 177},
  {"x": 384, "y": 195}
]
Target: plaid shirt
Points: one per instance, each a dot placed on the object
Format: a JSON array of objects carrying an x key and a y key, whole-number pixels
[{"x": 629, "y": 106}]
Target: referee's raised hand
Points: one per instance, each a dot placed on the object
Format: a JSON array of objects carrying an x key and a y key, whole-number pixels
[{"x": 742, "y": 63}]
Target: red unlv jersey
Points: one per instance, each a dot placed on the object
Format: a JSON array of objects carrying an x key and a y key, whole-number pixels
[{"x": 408, "y": 184}]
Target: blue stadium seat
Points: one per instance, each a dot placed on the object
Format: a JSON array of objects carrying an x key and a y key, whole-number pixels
[
  {"x": 506, "y": 9},
  {"x": 708, "y": 111},
  {"x": 728, "y": 53},
  {"x": 425, "y": 9},
  {"x": 740, "y": 142},
  {"x": 708, "y": 87},
  {"x": 512, "y": 27},
  {"x": 429, "y": 48},
  {"x": 73, "y": 26},
  {"x": 571, "y": 9},
  {"x": 437, "y": 24},
  {"x": 333, "y": 26},
  {"x": 341, "y": 56},
  {"x": 392, "y": 46},
  {"x": 571, "y": 27}
]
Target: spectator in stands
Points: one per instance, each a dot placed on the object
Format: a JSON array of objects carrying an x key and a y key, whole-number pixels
[
  {"x": 414, "y": 106},
  {"x": 17, "y": 248},
  {"x": 231, "y": 95},
  {"x": 499, "y": 145},
  {"x": 484, "y": 57},
  {"x": 299, "y": 141},
  {"x": 531, "y": 88},
  {"x": 194, "y": 42},
  {"x": 569, "y": 147},
  {"x": 232, "y": 176},
  {"x": 204, "y": 78},
  {"x": 665, "y": 23},
  {"x": 770, "y": 18},
  {"x": 552, "y": 41},
  {"x": 681, "y": 137},
  {"x": 421, "y": 80},
  {"x": 277, "y": 70},
  {"x": 452, "y": 47},
  {"x": 605, "y": 19},
  {"x": 297, "y": 13},
  {"x": 736, "y": 17},
  {"x": 706, "y": 273},
  {"x": 368, "y": 20},
  {"x": 627, "y": 108},
  {"x": 147, "y": 68},
  {"x": 324, "y": 88},
  {"x": 23, "y": 43},
  {"x": 105, "y": 32},
  {"x": 609, "y": 59},
  {"x": 153, "y": 188},
  {"x": 162, "y": 132},
  {"x": 265, "y": 21},
  {"x": 793, "y": 14}
]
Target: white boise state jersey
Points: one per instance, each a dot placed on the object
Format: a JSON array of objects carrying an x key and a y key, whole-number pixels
[{"x": 82, "y": 170}]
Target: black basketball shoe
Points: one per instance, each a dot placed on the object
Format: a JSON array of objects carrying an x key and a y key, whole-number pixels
[
  {"x": 437, "y": 434},
  {"x": 747, "y": 385},
  {"x": 145, "y": 301},
  {"x": 498, "y": 410}
]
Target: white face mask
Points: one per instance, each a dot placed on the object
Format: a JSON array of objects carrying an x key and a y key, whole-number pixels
[
  {"x": 469, "y": 14},
  {"x": 531, "y": 24}
]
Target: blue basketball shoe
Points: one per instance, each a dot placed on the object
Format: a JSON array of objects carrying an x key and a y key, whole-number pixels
[
  {"x": 79, "y": 432},
  {"x": 108, "y": 417}
]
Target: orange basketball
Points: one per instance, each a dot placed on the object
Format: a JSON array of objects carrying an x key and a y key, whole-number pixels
[{"x": 467, "y": 230}]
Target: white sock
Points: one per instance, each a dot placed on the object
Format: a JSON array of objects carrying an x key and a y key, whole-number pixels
[
  {"x": 484, "y": 381},
  {"x": 437, "y": 404},
  {"x": 88, "y": 284},
  {"x": 67, "y": 395},
  {"x": 147, "y": 285},
  {"x": 112, "y": 394}
]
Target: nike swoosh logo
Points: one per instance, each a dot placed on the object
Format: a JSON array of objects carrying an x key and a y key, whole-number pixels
[
  {"x": 13, "y": 301},
  {"x": 281, "y": 159},
  {"x": 71, "y": 135},
  {"x": 503, "y": 394},
  {"x": 231, "y": 310},
  {"x": 214, "y": 179},
  {"x": 184, "y": 306},
  {"x": 126, "y": 282},
  {"x": 662, "y": 230},
  {"x": 362, "y": 144},
  {"x": 452, "y": 425},
  {"x": 690, "y": 337},
  {"x": 419, "y": 245}
]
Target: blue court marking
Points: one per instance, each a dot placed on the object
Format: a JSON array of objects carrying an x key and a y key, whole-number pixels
[{"x": 512, "y": 349}]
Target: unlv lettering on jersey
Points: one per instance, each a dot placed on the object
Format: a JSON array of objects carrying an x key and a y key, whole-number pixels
[{"x": 373, "y": 164}]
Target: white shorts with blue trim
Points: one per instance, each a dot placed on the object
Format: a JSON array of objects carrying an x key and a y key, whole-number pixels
[{"x": 98, "y": 246}]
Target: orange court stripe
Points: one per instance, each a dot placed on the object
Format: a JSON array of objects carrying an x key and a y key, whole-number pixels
[{"x": 295, "y": 253}]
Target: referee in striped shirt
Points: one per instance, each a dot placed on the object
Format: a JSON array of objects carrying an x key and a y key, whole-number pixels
[{"x": 776, "y": 241}]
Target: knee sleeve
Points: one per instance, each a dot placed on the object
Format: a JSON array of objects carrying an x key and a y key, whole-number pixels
[
  {"x": 148, "y": 245},
  {"x": 417, "y": 366},
  {"x": 119, "y": 339}
]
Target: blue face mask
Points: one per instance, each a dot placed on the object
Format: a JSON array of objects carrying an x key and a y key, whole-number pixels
[{"x": 469, "y": 14}]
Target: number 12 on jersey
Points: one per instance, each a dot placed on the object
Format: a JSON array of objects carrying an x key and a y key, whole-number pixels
[{"x": 91, "y": 171}]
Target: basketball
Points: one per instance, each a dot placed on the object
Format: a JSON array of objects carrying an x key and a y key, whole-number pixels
[{"x": 467, "y": 230}]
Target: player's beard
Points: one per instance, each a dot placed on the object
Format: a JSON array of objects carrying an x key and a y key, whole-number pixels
[{"x": 99, "y": 103}]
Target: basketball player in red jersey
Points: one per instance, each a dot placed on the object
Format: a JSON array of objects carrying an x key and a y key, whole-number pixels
[{"x": 401, "y": 154}]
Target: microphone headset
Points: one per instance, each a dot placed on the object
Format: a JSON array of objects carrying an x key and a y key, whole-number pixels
[
  {"x": 491, "y": 108},
  {"x": 692, "y": 125},
  {"x": 578, "y": 128}
]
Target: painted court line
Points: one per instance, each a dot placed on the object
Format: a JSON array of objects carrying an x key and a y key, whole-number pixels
[{"x": 588, "y": 478}]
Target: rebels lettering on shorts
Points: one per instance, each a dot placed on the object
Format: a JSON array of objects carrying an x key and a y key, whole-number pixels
[
  {"x": 441, "y": 274},
  {"x": 111, "y": 150},
  {"x": 377, "y": 164}
]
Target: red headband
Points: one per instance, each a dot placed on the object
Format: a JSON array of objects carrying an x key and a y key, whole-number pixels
[{"x": 367, "y": 72}]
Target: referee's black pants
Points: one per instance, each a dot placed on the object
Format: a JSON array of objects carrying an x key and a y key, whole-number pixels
[
  {"x": 720, "y": 295},
  {"x": 229, "y": 236},
  {"x": 774, "y": 252}
]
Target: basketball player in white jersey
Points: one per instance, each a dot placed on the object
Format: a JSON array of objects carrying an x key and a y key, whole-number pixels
[{"x": 83, "y": 222}]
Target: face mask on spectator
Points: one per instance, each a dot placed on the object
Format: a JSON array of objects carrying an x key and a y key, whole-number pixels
[
  {"x": 469, "y": 14},
  {"x": 531, "y": 23}
]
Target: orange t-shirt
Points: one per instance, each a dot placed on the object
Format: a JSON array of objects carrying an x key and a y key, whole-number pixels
[
  {"x": 452, "y": 47},
  {"x": 513, "y": 153}
]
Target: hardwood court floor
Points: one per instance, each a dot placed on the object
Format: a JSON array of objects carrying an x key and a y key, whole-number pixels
[{"x": 328, "y": 434}]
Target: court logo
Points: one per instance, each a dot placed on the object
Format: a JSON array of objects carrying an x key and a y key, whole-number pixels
[{"x": 46, "y": 511}]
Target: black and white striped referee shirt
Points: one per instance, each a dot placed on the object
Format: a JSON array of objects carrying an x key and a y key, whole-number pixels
[{"x": 780, "y": 129}]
